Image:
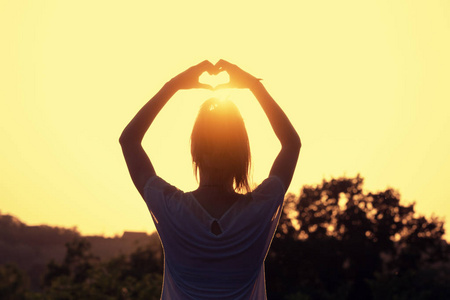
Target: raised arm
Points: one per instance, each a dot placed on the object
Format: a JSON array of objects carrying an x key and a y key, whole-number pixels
[
  {"x": 138, "y": 163},
  {"x": 286, "y": 161}
]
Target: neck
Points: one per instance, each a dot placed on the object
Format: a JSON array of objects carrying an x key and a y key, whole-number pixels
[{"x": 215, "y": 181}]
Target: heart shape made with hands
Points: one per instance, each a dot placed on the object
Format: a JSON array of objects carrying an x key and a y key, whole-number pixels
[{"x": 214, "y": 79}]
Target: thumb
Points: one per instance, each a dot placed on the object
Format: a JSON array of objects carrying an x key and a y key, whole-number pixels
[
  {"x": 203, "y": 86},
  {"x": 222, "y": 86}
]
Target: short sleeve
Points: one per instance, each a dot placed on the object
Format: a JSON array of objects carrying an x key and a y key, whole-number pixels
[
  {"x": 158, "y": 195},
  {"x": 268, "y": 198},
  {"x": 271, "y": 186},
  {"x": 270, "y": 193}
]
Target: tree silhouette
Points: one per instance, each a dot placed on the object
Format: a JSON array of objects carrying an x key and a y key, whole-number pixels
[
  {"x": 83, "y": 276},
  {"x": 13, "y": 282},
  {"x": 334, "y": 240}
]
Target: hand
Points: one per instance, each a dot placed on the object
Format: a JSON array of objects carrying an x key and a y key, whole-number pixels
[
  {"x": 238, "y": 78},
  {"x": 189, "y": 78}
]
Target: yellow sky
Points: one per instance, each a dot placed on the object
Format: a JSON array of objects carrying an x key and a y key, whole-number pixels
[{"x": 365, "y": 83}]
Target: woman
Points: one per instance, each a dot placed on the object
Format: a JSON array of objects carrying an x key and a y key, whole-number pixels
[{"x": 215, "y": 238}]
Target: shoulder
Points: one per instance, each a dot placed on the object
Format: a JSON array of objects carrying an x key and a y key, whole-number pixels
[
  {"x": 156, "y": 183},
  {"x": 265, "y": 202},
  {"x": 272, "y": 185},
  {"x": 270, "y": 193},
  {"x": 158, "y": 192}
]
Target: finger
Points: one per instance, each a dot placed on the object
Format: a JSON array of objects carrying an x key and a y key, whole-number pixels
[
  {"x": 223, "y": 64},
  {"x": 198, "y": 68},
  {"x": 214, "y": 70},
  {"x": 203, "y": 63},
  {"x": 222, "y": 86},
  {"x": 203, "y": 86},
  {"x": 205, "y": 66}
]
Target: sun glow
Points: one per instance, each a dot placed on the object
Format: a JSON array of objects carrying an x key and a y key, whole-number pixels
[
  {"x": 361, "y": 81},
  {"x": 214, "y": 80}
]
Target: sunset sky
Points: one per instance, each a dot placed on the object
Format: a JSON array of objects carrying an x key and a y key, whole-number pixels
[{"x": 365, "y": 83}]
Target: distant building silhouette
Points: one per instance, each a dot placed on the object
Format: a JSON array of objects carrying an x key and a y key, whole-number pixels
[{"x": 134, "y": 235}]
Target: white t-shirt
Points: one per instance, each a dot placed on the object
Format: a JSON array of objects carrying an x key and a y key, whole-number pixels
[{"x": 201, "y": 265}]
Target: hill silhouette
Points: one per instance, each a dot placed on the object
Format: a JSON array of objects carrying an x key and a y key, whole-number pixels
[
  {"x": 334, "y": 241},
  {"x": 31, "y": 248}
]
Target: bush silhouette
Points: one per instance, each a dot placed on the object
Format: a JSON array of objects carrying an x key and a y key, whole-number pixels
[{"x": 335, "y": 241}]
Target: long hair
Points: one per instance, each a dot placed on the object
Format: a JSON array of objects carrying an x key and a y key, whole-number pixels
[{"x": 219, "y": 143}]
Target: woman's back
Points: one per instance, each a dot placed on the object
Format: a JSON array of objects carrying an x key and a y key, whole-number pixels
[
  {"x": 199, "y": 263},
  {"x": 216, "y": 201},
  {"x": 215, "y": 242}
]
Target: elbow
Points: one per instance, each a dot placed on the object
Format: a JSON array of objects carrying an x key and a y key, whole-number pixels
[
  {"x": 299, "y": 142},
  {"x": 122, "y": 138},
  {"x": 295, "y": 142},
  {"x": 126, "y": 139}
]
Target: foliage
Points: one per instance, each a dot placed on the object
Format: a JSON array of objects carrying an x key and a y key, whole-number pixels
[
  {"x": 334, "y": 241},
  {"x": 12, "y": 282},
  {"x": 31, "y": 248},
  {"x": 84, "y": 276},
  {"x": 429, "y": 283},
  {"x": 340, "y": 241}
]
